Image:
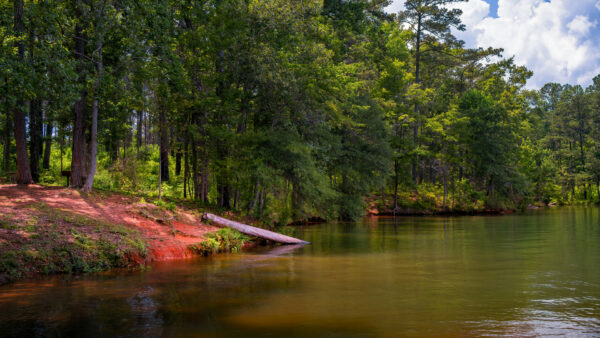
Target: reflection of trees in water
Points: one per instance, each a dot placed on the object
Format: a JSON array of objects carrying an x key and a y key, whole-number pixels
[{"x": 147, "y": 322}]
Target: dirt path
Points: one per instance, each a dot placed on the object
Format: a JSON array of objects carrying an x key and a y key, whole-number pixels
[{"x": 169, "y": 234}]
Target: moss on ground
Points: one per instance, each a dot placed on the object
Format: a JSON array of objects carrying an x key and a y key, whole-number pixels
[{"x": 47, "y": 241}]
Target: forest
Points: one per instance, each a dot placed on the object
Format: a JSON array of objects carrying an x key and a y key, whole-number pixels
[{"x": 286, "y": 110}]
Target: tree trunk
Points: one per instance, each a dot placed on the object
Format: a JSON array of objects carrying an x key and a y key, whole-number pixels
[
  {"x": 93, "y": 147},
  {"x": 138, "y": 136},
  {"x": 7, "y": 133},
  {"x": 35, "y": 138},
  {"x": 395, "y": 184},
  {"x": 416, "y": 109},
  {"x": 236, "y": 197},
  {"x": 178, "y": 156},
  {"x": 147, "y": 135},
  {"x": 164, "y": 145},
  {"x": 195, "y": 176},
  {"x": 252, "y": 206},
  {"x": 220, "y": 196},
  {"x": 224, "y": 194},
  {"x": 78, "y": 158},
  {"x": 205, "y": 162},
  {"x": 172, "y": 145},
  {"x": 160, "y": 176},
  {"x": 186, "y": 165},
  {"x": 61, "y": 143},
  {"x": 262, "y": 203},
  {"x": 23, "y": 170},
  {"x": 36, "y": 126},
  {"x": 253, "y": 231},
  {"x": 48, "y": 146},
  {"x": 127, "y": 141},
  {"x": 201, "y": 179},
  {"x": 94, "y": 129}
]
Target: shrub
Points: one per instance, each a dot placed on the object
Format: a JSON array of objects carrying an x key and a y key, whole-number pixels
[{"x": 224, "y": 240}]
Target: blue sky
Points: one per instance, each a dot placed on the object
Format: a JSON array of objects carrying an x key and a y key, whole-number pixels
[
  {"x": 493, "y": 7},
  {"x": 559, "y": 39}
]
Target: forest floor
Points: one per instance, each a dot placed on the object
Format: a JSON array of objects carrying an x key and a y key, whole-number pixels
[{"x": 60, "y": 230}]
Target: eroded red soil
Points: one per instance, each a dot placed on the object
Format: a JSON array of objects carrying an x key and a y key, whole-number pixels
[{"x": 169, "y": 234}]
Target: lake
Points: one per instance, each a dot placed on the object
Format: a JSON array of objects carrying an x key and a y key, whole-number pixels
[{"x": 532, "y": 274}]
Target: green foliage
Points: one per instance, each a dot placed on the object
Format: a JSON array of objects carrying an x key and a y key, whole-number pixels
[
  {"x": 491, "y": 144},
  {"x": 286, "y": 110},
  {"x": 11, "y": 265},
  {"x": 209, "y": 246},
  {"x": 223, "y": 240}
]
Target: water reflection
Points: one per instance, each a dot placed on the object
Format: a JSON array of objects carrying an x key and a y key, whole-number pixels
[
  {"x": 147, "y": 322},
  {"x": 523, "y": 275}
]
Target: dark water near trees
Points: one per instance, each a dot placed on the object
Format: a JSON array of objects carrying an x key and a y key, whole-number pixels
[{"x": 525, "y": 275}]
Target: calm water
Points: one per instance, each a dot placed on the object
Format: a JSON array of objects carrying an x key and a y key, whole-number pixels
[{"x": 536, "y": 274}]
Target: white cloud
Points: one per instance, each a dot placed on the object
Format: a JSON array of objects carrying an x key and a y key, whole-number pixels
[
  {"x": 474, "y": 11},
  {"x": 580, "y": 25},
  {"x": 551, "y": 38},
  {"x": 558, "y": 40},
  {"x": 398, "y": 5}
]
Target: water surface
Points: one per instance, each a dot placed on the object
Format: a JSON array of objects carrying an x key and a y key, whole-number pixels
[{"x": 536, "y": 274}]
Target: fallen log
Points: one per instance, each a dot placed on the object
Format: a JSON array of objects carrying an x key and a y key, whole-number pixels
[{"x": 253, "y": 231}]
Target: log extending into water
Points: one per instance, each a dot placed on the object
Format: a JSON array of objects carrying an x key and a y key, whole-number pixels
[{"x": 253, "y": 231}]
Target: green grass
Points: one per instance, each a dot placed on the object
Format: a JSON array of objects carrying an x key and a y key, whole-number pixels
[{"x": 62, "y": 242}]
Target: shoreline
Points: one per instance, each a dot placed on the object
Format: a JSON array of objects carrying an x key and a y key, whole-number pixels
[
  {"x": 441, "y": 213},
  {"x": 47, "y": 230},
  {"x": 56, "y": 230}
]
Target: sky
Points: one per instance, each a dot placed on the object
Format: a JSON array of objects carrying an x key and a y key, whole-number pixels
[{"x": 559, "y": 40}]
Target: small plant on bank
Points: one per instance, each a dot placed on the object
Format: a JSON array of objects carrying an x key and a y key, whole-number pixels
[
  {"x": 209, "y": 246},
  {"x": 160, "y": 203},
  {"x": 165, "y": 206},
  {"x": 224, "y": 240}
]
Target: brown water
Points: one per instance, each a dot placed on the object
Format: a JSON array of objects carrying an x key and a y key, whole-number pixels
[{"x": 536, "y": 274}]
